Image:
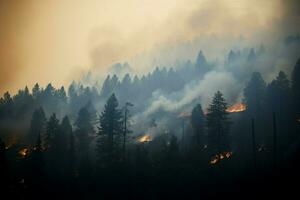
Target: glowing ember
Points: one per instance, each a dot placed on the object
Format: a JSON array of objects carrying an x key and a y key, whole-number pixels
[
  {"x": 239, "y": 107},
  {"x": 145, "y": 138},
  {"x": 221, "y": 157},
  {"x": 214, "y": 160},
  {"x": 184, "y": 114},
  {"x": 228, "y": 154},
  {"x": 217, "y": 158},
  {"x": 24, "y": 152}
]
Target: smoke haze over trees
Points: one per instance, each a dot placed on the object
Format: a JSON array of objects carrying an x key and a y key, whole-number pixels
[{"x": 199, "y": 112}]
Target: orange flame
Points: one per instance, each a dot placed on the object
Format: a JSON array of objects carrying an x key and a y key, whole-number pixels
[
  {"x": 24, "y": 152},
  {"x": 217, "y": 158},
  {"x": 145, "y": 138},
  {"x": 238, "y": 107}
]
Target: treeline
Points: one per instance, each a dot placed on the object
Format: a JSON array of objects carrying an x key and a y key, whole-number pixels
[
  {"x": 133, "y": 89},
  {"x": 94, "y": 155}
]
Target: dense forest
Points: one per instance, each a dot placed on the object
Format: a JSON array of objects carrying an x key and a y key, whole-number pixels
[{"x": 125, "y": 138}]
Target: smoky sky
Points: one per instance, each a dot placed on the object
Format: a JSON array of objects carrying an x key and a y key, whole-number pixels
[{"x": 55, "y": 41}]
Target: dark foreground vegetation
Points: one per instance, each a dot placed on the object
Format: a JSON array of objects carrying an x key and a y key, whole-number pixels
[{"x": 65, "y": 150}]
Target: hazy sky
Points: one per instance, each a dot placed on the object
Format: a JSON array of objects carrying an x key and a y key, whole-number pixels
[{"x": 54, "y": 40}]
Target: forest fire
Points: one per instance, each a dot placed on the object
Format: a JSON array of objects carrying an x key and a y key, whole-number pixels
[
  {"x": 238, "y": 107},
  {"x": 145, "y": 138},
  {"x": 24, "y": 152},
  {"x": 217, "y": 158}
]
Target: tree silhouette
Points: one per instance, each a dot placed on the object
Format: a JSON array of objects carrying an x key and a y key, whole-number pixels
[
  {"x": 279, "y": 95},
  {"x": 198, "y": 124},
  {"x": 52, "y": 131},
  {"x": 110, "y": 130},
  {"x": 37, "y": 124},
  {"x": 254, "y": 94},
  {"x": 85, "y": 128},
  {"x": 201, "y": 64},
  {"x": 6, "y": 106},
  {"x": 218, "y": 125},
  {"x": 36, "y": 91}
]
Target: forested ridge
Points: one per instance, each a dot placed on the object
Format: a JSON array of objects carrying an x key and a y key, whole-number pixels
[{"x": 103, "y": 142}]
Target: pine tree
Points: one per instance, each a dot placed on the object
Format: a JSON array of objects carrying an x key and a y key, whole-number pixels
[
  {"x": 106, "y": 87},
  {"x": 37, "y": 125},
  {"x": 7, "y": 106},
  {"x": 65, "y": 131},
  {"x": 36, "y": 91},
  {"x": 85, "y": 129},
  {"x": 110, "y": 130},
  {"x": 61, "y": 95},
  {"x": 279, "y": 95},
  {"x": 218, "y": 125},
  {"x": 254, "y": 94},
  {"x": 201, "y": 64},
  {"x": 198, "y": 124},
  {"x": 52, "y": 131}
]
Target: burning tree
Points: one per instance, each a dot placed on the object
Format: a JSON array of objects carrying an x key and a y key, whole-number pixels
[{"x": 218, "y": 125}]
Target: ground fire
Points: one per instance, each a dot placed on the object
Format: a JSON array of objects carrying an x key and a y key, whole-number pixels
[
  {"x": 24, "y": 152},
  {"x": 217, "y": 158},
  {"x": 145, "y": 138},
  {"x": 238, "y": 107}
]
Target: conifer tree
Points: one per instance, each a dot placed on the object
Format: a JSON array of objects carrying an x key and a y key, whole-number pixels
[
  {"x": 198, "y": 124},
  {"x": 52, "y": 130},
  {"x": 254, "y": 94},
  {"x": 110, "y": 130},
  {"x": 218, "y": 125},
  {"x": 37, "y": 124}
]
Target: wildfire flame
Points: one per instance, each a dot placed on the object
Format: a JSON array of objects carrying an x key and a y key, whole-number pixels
[
  {"x": 24, "y": 152},
  {"x": 217, "y": 158},
  {"x": 238, "y": 107},
  {"x": 145, "y": 138}
]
